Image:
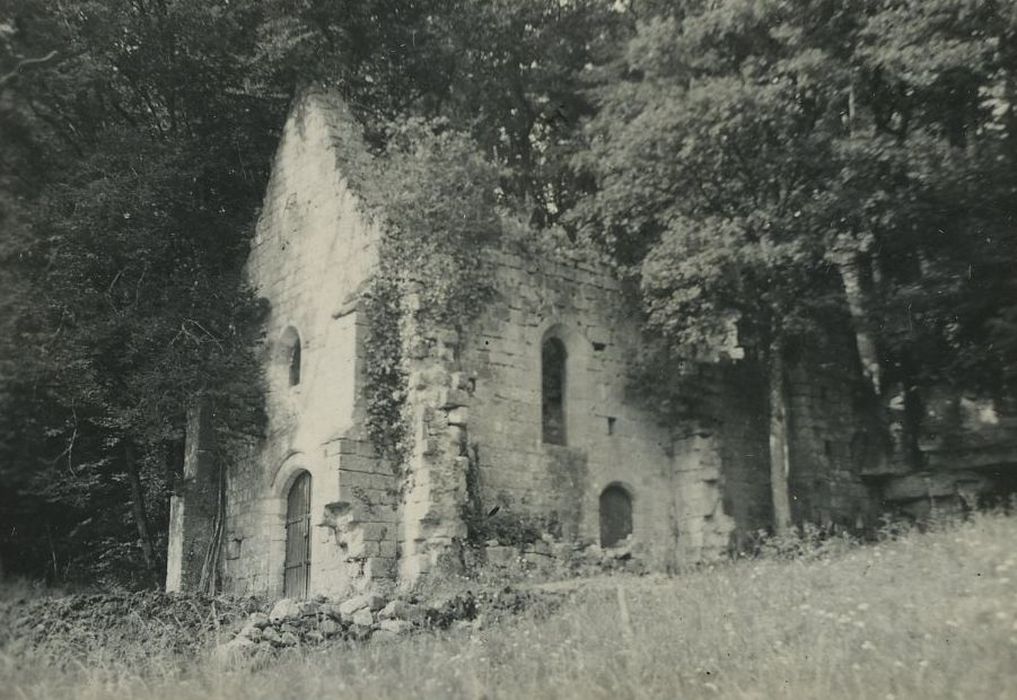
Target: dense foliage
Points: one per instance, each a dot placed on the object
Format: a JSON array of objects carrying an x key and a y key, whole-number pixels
[
  {"x": 740, "y": 161},
  {"x": 436, "y": 199},
  {"x": 754, "y": 159},
  {"x": 134, "y": 160}
]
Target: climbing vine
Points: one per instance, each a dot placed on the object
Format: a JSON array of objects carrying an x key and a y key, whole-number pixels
[{"x": 436, "y": 200}]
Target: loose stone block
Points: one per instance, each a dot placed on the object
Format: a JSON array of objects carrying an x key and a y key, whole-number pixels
[{"x": 363, "y": 618}]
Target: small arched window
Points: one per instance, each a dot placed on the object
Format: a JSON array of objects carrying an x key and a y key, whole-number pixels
[
  {"x": 552, "y": 365},
  {"x": 290, "y": 354},
  {"x": 615, "y": 515}
]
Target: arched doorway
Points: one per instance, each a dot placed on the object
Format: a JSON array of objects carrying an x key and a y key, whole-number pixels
[
  {"x": 297, "y": 566},
  {"x": 615, "y": 515}
]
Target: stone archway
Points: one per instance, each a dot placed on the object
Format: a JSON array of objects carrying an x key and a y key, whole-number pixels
[{"x": 615, "y": 515}]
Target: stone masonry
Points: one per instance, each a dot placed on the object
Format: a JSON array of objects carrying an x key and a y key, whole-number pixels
[{"x": 675, "y": 494}]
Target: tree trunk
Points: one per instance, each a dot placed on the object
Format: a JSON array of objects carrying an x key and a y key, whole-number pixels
[
  {"x": 138, "y": 507},
  {"x": 780, "y": 465},
  {"x": 914, "y": 413},
  {"x": 850, "y": 267}
]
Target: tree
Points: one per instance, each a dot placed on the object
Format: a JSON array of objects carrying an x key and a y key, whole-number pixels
[
  {"x": 748, "y": 154},
  {"x": 147, "y": 159},
  {"x": 138, "y": 139},
  {"x": 714, "y": 161},
  {"x": 928, "y": 186}
]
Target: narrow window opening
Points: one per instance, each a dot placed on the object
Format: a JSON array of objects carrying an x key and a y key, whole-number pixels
[
  {"x": 610, "y": 424},
  {"x": 615, "y": 516},
  {"x": 289, "y": 355},
  {"x": 553, "y": 391},
  {"x": 597, "y": 347},
  {"x": 295, "y": 364}
]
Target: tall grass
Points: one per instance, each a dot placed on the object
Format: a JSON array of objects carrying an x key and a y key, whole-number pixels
[{"x": 927, "y": 615}]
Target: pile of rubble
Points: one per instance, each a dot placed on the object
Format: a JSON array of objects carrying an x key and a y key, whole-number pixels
[
  {"x": 294, "y": 623},
  {"x": 371, "y": 616}
]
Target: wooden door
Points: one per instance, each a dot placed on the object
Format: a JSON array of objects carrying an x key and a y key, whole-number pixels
[{"x": 298, "y": 538}]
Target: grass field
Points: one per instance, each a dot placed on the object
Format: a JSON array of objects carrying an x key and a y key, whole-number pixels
[{"x": 927, "y": 615}]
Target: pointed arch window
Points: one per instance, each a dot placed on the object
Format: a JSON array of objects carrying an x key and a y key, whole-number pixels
[{"x": 552, "y": 364}]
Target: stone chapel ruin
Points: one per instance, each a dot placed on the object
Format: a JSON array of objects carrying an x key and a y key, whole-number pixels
[{"x": 532, "y": 403}]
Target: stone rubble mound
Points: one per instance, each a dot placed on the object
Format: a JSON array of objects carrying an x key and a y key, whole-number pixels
[{"x": 362, "y": 618}]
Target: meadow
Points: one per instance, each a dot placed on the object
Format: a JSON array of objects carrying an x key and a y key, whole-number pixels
[{"x": 922, "y": 615}]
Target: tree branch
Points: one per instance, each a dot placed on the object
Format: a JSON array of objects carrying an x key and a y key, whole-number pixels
[{"x": 24, "y": 64}]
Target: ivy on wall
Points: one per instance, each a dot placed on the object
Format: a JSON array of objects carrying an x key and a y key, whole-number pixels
[{"x": 437, "y": 202}]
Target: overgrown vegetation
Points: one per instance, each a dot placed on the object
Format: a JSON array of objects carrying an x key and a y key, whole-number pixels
[
  {"x": 436, "y": 200},
  {"x": 739, "y": 161},
  {"x": 920, "y": 615},
  {"x": 136, "y": 629},
  {"x": 508, "y": 528},
  {"x": 137, "y": 143}
]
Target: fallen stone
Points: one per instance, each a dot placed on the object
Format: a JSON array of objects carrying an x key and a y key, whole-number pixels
[
  {"x": 309, "y": 608},
  {"x": 375, "y": 602},
  {"x": 349, "y": 607},
  {"x": 384, "y": 636},
  {"x": 271, "y": 635},
  {"x": 285, "y": 609},
  {"x": 363, "y": 618},
  {"x": 258, "y": 619},
  {"x": 397, "y": 609},
  {"x": 251, "y": 632},
  {"x": 401, "y": 609},
  {"x": 288, "y": 639},
  {"x": 314, "y": 636},
  {"x": 331, "y": 610},
  {"x": 329, "y": 628},
  {"x": 287, "y": 628},
  {"x": 395, "y": 626}
]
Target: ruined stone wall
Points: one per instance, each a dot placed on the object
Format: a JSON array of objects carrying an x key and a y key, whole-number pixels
[
  {"x": 968, "y": 445},
  {"x": 477, "y": 406},
  {"x": 474, "y": 411},
  {"x": 311, "y": 255},
  {"x": 735, "y": 411}
]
